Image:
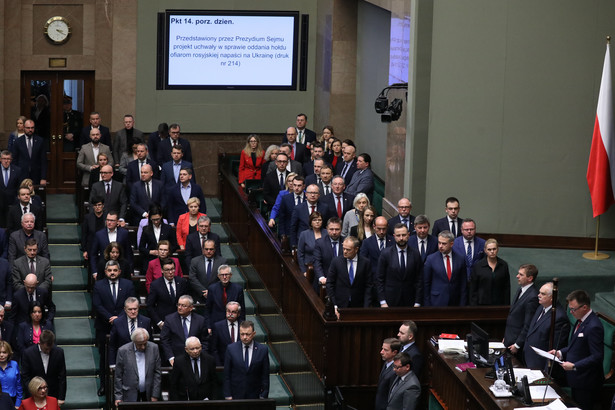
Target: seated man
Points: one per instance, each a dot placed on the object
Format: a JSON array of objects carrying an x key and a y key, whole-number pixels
[
  {"x": 170, "y": 170},
  {"x": 225, "y": 332},
  {"x": 195, "y": 241},
  {"x": 145, "y": 193},
  {"x": 31, "y": 263},
  {"x": 125, "y": 325},
  {"x": 21, "y": 208},
  {"x": 113, "y": 192},
  {"x": 220, "y": 293},
  {"x": 194, "y": 374},
  {"x": 17, "y": 240},
  {"x": 45, "y": 360},
  {"x": 179, "y": 326},
  {"x": 29, "y": 292},
  {"x": 112, "y": 233},
  {"x": 164, "y": 293},
  {"x": 203, "y": 270}
]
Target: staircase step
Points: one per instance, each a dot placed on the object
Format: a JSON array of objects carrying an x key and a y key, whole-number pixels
[
  {"x": 83, "y": 360},
  {"x": 252, "y": 278},
  {"x": 81, "y": 393},
  {"x": 65, "y": 255},
  {"x": 74, "y": 331},
  {"x": 264, "y": 302},
  {"x": 603, "y": 307},
  {"x": 213, "y": 212},
  {"x": 69, "y": 278},
  {"x": 292, "y": 358},
  {"x": 277, "y": 327},
  {"x": 72, "y": 303},
  {"x": 61, "y": 208},
  {"x": 221, "y": 231},
  {"x": 306, "y": 388},
  {"x": 278, "y": 391},
  {"x": 63, "y": 233},
  {"x": 227, "y": 253}
]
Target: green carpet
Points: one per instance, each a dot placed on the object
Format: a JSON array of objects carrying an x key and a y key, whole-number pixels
[
  {"x": 71, "y": 331},
  {"x": 81, "y": 393},
  {"x": 65, "y": 255},
  {"x": 227, "y": 253},
  {"x": 69, "y": 278},
  {"x": 82, "y": 360},
  {"x": 213, "y": 209},
  {"x": 72, "y": 303},
  {"x": 291, "y": 356},
  {"x": 63, "y": 233},
  {"x": 307, "y": 387},
  {"x": 219, "y": 230},
  {"x": 278, "y": 391},
  {"x": 61, "y": 208}
]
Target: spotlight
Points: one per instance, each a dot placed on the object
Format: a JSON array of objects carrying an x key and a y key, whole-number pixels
[
  {"x": 381, "y": 104},
  {"x": 393, "y": 112}
]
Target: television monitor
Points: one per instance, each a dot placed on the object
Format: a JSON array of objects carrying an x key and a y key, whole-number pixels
[
  {"x": 206, "y": 49},
  {"x": 478, "y": 346}
]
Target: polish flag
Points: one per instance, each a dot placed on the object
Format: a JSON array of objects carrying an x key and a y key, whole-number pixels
[{"x": 601, "y": 167}]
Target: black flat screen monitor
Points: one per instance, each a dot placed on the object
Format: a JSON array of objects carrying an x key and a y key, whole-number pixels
[{"x": 478, "y": 346}]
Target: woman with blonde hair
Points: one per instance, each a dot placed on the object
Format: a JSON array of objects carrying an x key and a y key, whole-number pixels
[
  {"x": 251, "y": 160},
  {"x": 21, "y": 120},
  {"x": 360, "y": 202},
  {"x": 38, "y": 399},
  {"x": 187, "y": 223},
  {"x": 365, "y": 227},
  {"x": 10, "y": 377}
]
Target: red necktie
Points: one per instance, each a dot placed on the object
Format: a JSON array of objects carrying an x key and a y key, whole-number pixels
[
  {"x": 313, "y": 209},
  {"x": 339, "y": 207},
  {"x": 577, "y": 326},
  {"x": 292, "y": 153},
  {"x": 449, "y": 273},
  {"x": 224, "y": 297}
]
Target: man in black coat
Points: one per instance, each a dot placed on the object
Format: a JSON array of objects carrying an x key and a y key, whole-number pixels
[
  {"x": 163, "y": 297},
  {"x": 194, "y": 374},
  {"x": 31, "y": 292},
  {"x": 196, "y": 240},
  {"x": 125, "y": 325},
  {"x": 54, "y": 372}
]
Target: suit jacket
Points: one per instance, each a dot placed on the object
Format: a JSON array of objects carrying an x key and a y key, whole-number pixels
[
  {"x": 127, "y": 375},
  {"x": 301, "y": 154},
  {"x": 120, "y": 141},
  {"x": 285, "y": 212},
  {"x": 4, "y": 243},
  {"x": 154, "y": 271},
  {"x": 105, "y": 136},
  {"x": 271, "y": 186},
  {"x": 117, "y": 199},
  {"x": 34, "y": 167},
  {"x": 17, "y": 242},
  {"x": 246, "y": 383},
  {"x": 416, "y": 356},
  {"x": 478, "y": 251},
  {"x": 15, "y": 213},
  {"x": 172, "y": 339},
  {"x": 193, "y": 245},
  {"x": 153, "y": 143},
  {"x": 159, "y": 300},
  {"x": 21, "y": 269},
  {"x": 305, "y": 249},
  {"x": 90, "y": 225},
  {"x": 370, "y": 248},
  {"x": 101, "y": 240},
  {"x": 538, "y": 335},
  {"x": 167, "y": 176},
  {"x": 140, "y": 202},
  {"x": 133, "y": 175},
  {"x": 489, "y": 287},
  {"x": 519, "y": 317},
  {"x": 331, "y": 202},
  {"x": 6, "y": 282},
  {"x": 25, "y": 335},
  {"x": 387, "y": 375},
  {"x": 32, "y": 365},
  {"x": 300, "y": 219},
  {"x": 339, "y": 167},
  {"x": 247, "y": 168},
  {"x": 323, "y": 255},
  {"x": 8, "y": 332},
  {"x": 220, "y": 339},
  {"x": 310, "y": 136},
  {"x": 341, "y": 291},
  {"x": 21, "y": 303},
  {"x": 103, "y": 304},
  {"x": 439, "y": 290},
  {"x": 199, "y": 280},
  {"x": 216, "y": 309},
  {"x": 8, "y": 191},
  {"x": 176, "y": 205},
  {"x": 362, "y": 181},
  {"x": 442, "y": 225},
  {"x": 398, "y": 287},
  {"x": 294, "y": 166},
  {"x": 405, "y": 395},
  {"x": 184, "y": 384},
  {"x": 586, "y": 351},
  {"x": 396, "y": 220},
  {"x": 165, "y": 147},
  {"x": 120, "y": 334},
  {"x": 430, "y": 247},
  {"x": 148, "y": 241},
  {"x": 86, "y": 159}
]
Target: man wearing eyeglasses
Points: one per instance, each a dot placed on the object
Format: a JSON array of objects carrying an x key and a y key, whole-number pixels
[
  {"x": 582, "y": 359},
  {"x": 113, "y": 192},
  {"x": 275, "y": 181},
  {"x": 300, "y": 219},
  {"x": 179, "y": 326},
  {"x": 220, "y": 293},
  {"x": 405, "y": 388},
  {"x": 203, "y": 270}
]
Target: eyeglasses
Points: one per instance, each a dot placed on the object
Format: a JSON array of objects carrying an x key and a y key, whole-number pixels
[
  {"x": 395, "y": 367},
  {"x": 572, "y": 310},
  {"x": 42, "y": 388}
]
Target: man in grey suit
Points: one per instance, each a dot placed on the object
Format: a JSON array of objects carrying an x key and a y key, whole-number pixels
[
  {"x": 17, "y": 240},
  {"x": 121, "y": 138},
  {"x": 137, "y": 370},
  {"x": 405, "y": 388},
  {"x": 88, "y": 156},
  {"x": 204, "y": 270},
  {"x": 31, "y": 263},
  {"x": 363, "y": 179}
]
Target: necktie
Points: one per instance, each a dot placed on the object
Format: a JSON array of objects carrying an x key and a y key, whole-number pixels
[
  {"x": 203, "y": 239},
  {"x": 108, "y": 189},
  {"x": 232, "y": 332},
  {"x": 402, "y": 261},
  {"x": 31, "y": 297},
  {"x": 405, "y": 222},
  {"x": 196, "y": 368},
  {"x": 393, "y": 387},
  {"x": 149, "y": 193},
  {"x": 113, "y": 292},
  {"x": 312, "y": 209},
  {"x": 141, "y": 163},
  {"x": 292, "y": 153},
  {"x": 339, "y": 207},
  {"x": 351, "y": 272},
  {"x": 6, "y": 177},
  {"x": 175, "y": 143},
  {"x": 469, "y": 254},
  {"x": 171, "y": 290},
  {"x": 453, "y": 230},
  {"x": 345, "y": 169},
  {"x": 246, "y": 358},
  {"x": 300, "y": 199},
  {"x": 576, "y": 328},
  {"x": 209, "y": 263},
  {"x": 541, "y": 315},
  {"x": 381, "y": 244},
  {"x": 423, "y": 249},
  {"x": 297, "y": 201},
  {"x": 185, "y": 326},
  {"x": 30, "y": 147},
  {"x": 25, "y": 210},
  {"x": 300, "y": 137},
  {"x": 334, "y": 246},
  {"x": 132, "y": 326},
  {"x": 224, "y": 296},
  {"x": 281, "y": 181},
  {"x": 449, "y": 272},
  {"x": 327, "y": 190}
]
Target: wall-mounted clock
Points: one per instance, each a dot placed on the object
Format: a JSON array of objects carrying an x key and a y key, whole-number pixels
[{"x": 57, "y": 30}]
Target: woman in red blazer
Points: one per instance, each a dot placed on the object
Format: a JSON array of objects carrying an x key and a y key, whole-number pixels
[
  {"x": 251, "y": 161},
  {"x": 186, "y": 224}
]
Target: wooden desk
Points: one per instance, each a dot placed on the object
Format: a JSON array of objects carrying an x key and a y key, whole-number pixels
[{"x": 467, "y": 390}]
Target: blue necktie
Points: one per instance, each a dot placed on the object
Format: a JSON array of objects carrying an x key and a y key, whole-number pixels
[
  {"x": 453, "y": 230},
  {"x": 469, "y": 255},
  {"x": 185, "y": 326},
  {"x": 351, "y": 272},
  {"x": 423, "y": 249},
  {"x": 334, "y": 245},
  {"x": 246, "y": 357}
]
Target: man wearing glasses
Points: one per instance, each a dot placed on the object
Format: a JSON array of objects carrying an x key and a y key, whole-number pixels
[
  {"x": 582, "y": 359},
  {"x": 275, "y": 181},
  {"x": 179, "y": 326},
  {"x": 405, "y": 388},
  {"x": 300, "y": 219},
  {"x": 113, "y": 192}
]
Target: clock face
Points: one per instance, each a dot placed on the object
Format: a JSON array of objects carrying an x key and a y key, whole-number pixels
[{"x": 57, "y": 30}]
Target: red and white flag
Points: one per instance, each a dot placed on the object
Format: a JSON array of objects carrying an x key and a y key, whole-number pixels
[{"x": 601, "y": 167}]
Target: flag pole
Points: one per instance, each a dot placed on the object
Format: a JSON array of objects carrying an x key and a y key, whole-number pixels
[{"x": 595, "y": 256}]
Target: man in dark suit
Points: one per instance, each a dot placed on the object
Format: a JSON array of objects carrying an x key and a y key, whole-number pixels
[
  {"x": 469, "y": 244},
  {"x": 451, "y": 222},
  {"x": 424, "y": 243},
  {"x": 29, "y": 292},
  {"x": 134, "y": 168},
  {"x": 404, "y": 206},
  {"x": 246, "y": 367},
  {"x": 30, "y": 155},
  {"x": 362, "y": 180},
  {"x": 180, "y": 193},
  {"x": 169, "y": 175},
  {"x": 31, "y": 263},
  {"x": 298, "y": 152},
  {"x": 196, "y": 240},
  {"x": 17, "y": 240},
  {"x": 348, "y": 166},
  {"x": 540, "y": 329},
  {"x": 584, "y": 354},
  {"x": 112, "y": 233},
  {"x": 194, "y": 374},
  {"x": 6, "y": 283},
  {"x": 124, "y": 326},
  {"x": 445, "y": 280},
  {"x": 54, "y": 371},
  {"x": 325, "y": 249},
  {"x": 220, "y": 293},
  {"x": 93, "y": 222},
  {"x": 300, "y": 219},
  {"x": 150, "y": 239},
  {"x": 225, "y": 332},
  {"x": 325, "y": 175},
  {"x": 203, "y": 270},
  {"x": 105, "y": 136},
  {"x": 156, "y": 138},
  {"x": 407, "y": 338},
  {"x": 275, "y": 181},
  {"x": 179, "y": 326},
  {"x": 304, "y": 135},
  {"x": 292, "y": 165},
  {"x": 113, "y": 192},
  {"x": 145, "y": 193},
  {"x": 400, "y": 271},
  {"x": 390, "y": 348},
  {"x": 338, "y": 201},
  {"x": 125, "y": 138},
  {"x": 24, "y": 206},
  {"x": 288, "y": 204},
  {"x": 133, "y": 382},
  {"x": 7, "y": 329},
  {"x": 371, "y": 249},
  {"x": 108, "y": 300},
  {"x": 166, "y": 145},
  {"x": 522, "y": 309},
  {"x": 10, "y": 179},
  {"x": 4, "y": 244},
  {"x": 405, "y": 388},
  {"x": 164, "y": 293}
]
